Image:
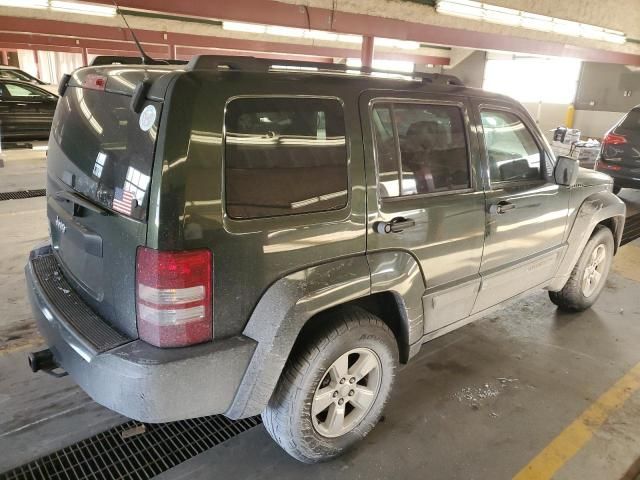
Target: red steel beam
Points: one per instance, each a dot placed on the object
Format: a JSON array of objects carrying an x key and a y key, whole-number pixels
[
  {"x": 96, "y": 36},
  {"x": 366, "y": 54},
  {"x": 292, "y": 15},
  {"x": 45, "y": 42},
  {"x": 31, "y": 46}
]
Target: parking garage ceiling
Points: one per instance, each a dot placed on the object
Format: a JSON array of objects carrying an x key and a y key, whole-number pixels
[{"x": 182, "y": 29}]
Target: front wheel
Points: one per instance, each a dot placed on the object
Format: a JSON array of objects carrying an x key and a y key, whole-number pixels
[
  {"x": 334, "y": 387},
  {"x": 589, "y": 275}
]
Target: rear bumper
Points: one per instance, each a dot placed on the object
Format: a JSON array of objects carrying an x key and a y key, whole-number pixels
[
  {"x": 624, "y": 178},
  {"x": 139, "y": 380}
]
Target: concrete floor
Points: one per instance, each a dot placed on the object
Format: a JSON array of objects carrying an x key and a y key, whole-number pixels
[{"x": 479, "y": 403}]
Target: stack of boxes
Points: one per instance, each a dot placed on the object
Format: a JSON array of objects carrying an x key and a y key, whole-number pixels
[{"x": 566, "y": 142}]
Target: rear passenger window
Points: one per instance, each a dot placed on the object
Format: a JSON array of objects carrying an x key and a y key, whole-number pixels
[
  {"x": 431, "y": 143},
  {"x": 513, "y": 153},
  {"x": 284, "y": 156}
]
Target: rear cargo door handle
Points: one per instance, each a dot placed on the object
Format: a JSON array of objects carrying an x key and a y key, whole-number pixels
[
  {"x": 78, "y": 200},
  {"x": 501, "y": 207},
  {"x": 396, "y": 225}
]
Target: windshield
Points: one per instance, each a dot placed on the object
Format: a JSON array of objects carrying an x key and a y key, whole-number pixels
[
  {"x": 110, "y": 145},
  {"x": 18, "y": 75}
]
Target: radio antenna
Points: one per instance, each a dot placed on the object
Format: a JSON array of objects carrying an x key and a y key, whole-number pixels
[{"x": 146, "y": 59}]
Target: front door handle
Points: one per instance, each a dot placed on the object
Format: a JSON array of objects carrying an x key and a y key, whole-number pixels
[
  {"x": 501, "y": 207},
  {"x": 396, "y": 225}
]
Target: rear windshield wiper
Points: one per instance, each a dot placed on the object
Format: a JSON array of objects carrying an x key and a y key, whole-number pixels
[{"x": 79, "y": 200}]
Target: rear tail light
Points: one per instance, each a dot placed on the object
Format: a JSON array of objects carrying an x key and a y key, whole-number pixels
[
  {"x": 174, "y": 292},
  {"x": 614, "y": 139}
]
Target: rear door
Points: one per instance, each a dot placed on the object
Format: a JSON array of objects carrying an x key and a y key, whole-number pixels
[
  {"x": 99, "y": 171},
  {"x": 425, "y": 194},
  {"x": 526, "y": 213}
]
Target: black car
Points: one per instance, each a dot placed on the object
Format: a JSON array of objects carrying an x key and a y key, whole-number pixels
[
  {"x": 620, "y": 154},
  {"x": 26, "y": 111}
]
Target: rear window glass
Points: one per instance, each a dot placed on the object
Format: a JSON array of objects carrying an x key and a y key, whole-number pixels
[
  {"x": 104, "y": 139},
  {"x": 284, "y": 156},
  {"x": 631, "y": 121},
  {"x": 431, "y": 142}
]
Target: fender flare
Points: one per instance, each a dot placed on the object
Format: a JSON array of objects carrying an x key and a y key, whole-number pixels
[
  {"x": 290, "y": 302},
  {"x": 594, "y": 209}
]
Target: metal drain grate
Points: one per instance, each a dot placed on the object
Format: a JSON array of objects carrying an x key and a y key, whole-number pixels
[
  {"x": 108, "y": 455},
  {"x": 631, "y": 229},
  {"x": 40, "y": 192}
]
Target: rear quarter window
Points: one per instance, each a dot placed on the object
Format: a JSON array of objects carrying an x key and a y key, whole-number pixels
[
  {"x": 284, "y": 156},
  {"x": 631, "y": 121}
]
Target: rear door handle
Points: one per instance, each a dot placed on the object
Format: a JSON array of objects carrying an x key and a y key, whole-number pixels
[
  {"x": 396, "y": 225},
  {"x": 501, "y": 207}
]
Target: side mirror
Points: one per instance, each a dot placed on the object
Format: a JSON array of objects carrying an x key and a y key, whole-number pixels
[{"x": 566, "y": 171}]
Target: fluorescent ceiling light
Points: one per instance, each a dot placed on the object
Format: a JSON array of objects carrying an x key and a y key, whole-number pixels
[
  {"x": 285, "y": 31},
  {"x": 293, "y": 32},
  {"x": 25, "y": 3},
  {"x": 82, "y": 8},
  {"x": 533, "y": 21},
  {"x": 517, "y": 18},
  {"x": 315, "y": 34},
  {"x": 244, "y": 27},
  {"x": 504, "y": 16}
]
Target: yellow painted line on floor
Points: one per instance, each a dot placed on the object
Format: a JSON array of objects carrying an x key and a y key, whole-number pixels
[
  {"x": 627, "y": 262},
  {"x": 576, "y": 435}
]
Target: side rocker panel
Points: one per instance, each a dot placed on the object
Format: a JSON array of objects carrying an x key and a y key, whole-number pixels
[{"x": 593, "y": 210}]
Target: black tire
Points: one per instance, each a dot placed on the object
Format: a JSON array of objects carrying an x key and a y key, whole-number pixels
[
  {"x": 616, "y": 189},
  {"x": 288, "y": 417},
  {"x": 572, "y": 297}
]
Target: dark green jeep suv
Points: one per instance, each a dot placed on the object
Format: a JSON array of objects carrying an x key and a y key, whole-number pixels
[{"x": 235, "y": 237}]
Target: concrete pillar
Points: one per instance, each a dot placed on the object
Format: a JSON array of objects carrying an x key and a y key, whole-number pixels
[
  {"x": 366, "y": 53},
  {"x": 172, "y": 51},
  {"x": 35, "y": 59},
  {"x": 85, "y": 57},
  {"x": 5, "y": 57}
]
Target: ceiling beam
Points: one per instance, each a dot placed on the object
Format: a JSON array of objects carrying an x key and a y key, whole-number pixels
[
  {"x": 50, "y": 32},
  {"x": 272, "y": 12}
]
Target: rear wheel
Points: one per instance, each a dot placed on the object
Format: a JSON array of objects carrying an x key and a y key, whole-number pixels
[
  {"x": 589, "y": 275},
  {"x": 334, "y": 387}
]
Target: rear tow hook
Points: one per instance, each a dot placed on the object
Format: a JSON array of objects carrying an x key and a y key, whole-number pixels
[{"x": 43, "y": 360}]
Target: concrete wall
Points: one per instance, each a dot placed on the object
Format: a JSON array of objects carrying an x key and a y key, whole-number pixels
[
  {"x": 600, "y": 99},
  {"x": 602, "y": 88},
  {"x": 548, "y": 116},
  {"x": 470, "y": 70},
  {"x": 595, "y": 124}
]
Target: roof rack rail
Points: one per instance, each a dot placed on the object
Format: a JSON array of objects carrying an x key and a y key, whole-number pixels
[
  {"x": 253, "y": 64},
  {"x": 124, "y": 60}
]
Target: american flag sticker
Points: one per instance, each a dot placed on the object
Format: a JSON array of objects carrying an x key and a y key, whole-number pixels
[{"x": 123, "y": 201}]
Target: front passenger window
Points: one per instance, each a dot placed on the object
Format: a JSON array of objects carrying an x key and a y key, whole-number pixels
[{"x": 513, "y": 153}]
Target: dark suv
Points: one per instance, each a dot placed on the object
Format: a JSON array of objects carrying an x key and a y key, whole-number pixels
[
  {"x": 240, "y": 238},
  {"x": 620, "y": 153}
]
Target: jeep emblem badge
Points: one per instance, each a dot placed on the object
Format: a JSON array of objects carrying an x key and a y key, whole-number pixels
[{"x": 60, "y": 225}]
